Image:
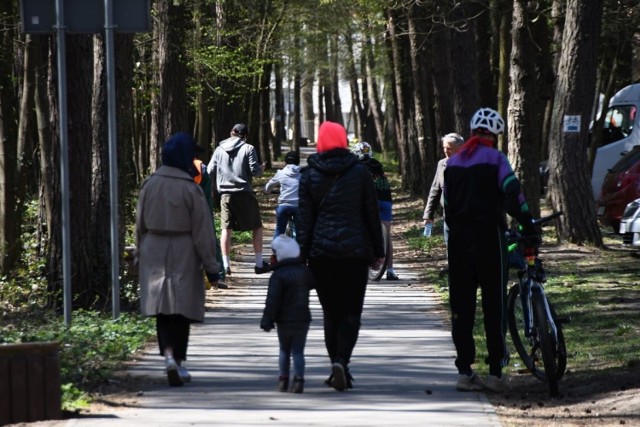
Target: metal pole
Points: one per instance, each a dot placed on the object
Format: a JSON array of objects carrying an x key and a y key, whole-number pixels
[
  {"x": 64, "y": 160},
  {"x": 113, "y": 157}
]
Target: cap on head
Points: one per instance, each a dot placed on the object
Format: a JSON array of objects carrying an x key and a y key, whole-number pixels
[
  {"x": 292, "y": 158},
  {"x": 488, "y": 120},
  {"x": 179, "y": 152},
  {"x": 362, "y": 150},
  {"x": 240, "y": 129},
  {"x": 285, "y": 247},
  {"x": 331, "y": 135}
]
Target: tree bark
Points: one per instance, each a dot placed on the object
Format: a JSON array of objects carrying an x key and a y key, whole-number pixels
[
  {"x": 569, "y": 183},
  {"x": 169, "y": 97},
  {"x": 79, "y": 84},
  {"x": 9, "y": 183},
  {"x": 524, "y": 109}
]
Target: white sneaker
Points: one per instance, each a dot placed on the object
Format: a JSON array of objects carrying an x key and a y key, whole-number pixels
[
  {"x": 173, "y": 375},
  {"x": 495, "y": 384},
  {"x": 184, "y": 374},
  {"x": 469, "y": 383}
]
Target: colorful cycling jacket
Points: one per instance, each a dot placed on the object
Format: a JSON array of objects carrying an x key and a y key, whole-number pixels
[{"x": 480, "y": 186}]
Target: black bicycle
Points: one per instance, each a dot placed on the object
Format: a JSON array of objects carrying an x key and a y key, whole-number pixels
[{"x": 534, "y": 325}]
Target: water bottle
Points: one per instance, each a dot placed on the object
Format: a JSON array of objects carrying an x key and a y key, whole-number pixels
[{"x": 427, "y": 229}]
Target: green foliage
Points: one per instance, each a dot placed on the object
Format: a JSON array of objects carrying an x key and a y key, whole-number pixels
[{"x": 91, "y": 348}]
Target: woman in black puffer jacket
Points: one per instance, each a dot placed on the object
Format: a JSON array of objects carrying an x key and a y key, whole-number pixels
[{"x": 340, "y": 235}]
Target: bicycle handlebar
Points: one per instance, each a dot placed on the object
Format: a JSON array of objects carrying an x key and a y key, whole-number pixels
[{"x": 545, "y": 219}]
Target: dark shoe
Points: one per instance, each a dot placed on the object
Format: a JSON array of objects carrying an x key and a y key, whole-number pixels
[
  {"x": 392, "y": 276},
  {"x": 339, "y": 381},
  {"x": 227, "y": 271},
  {"x": 298, "y": 385},
  {"x": 329, "y": 380},
  {"x": 263, "y": 269},
  {"x": 283, "y": 384},
  {"x": 173, "y": 373},
  {"x": 185, "y": 376},
  {"x": 222, "y": 285}
]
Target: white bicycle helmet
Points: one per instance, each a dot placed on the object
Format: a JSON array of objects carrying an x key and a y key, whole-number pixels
[
  {"x": 486, "y": 118},
  {"x": 361, "y": 149}
]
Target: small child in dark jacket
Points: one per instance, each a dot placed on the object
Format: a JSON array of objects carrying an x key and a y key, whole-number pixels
[{"x": 287, "y": 305}]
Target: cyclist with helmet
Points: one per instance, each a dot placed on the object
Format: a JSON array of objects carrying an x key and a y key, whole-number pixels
[
  {"x": 480, "y": 187},
  {"x": 383, "y": 190}
]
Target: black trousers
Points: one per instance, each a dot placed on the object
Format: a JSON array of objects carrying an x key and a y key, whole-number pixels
[
  {"x": 173, "y": 331},
  {"x": 341, "y": 286},
  {"x": 478, "y": 258}
]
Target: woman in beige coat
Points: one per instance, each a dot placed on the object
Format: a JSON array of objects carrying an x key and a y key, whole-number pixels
[{"x": 175, "y": 241}]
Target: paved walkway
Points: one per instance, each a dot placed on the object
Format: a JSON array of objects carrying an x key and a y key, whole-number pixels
[{"x": 402, "y": 365}]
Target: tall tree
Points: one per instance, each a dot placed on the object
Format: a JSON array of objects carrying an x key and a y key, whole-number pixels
[
  {"x": 525, "y": 106},
  {"x": 569, "y": 183},
  {"x": 169, "y": 98},
  {"x": 79, "y": 84},
  {"x": 9, "y": 215}
]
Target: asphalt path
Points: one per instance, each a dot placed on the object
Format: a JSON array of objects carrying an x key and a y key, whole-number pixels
[{"x": 402, "y": 365}]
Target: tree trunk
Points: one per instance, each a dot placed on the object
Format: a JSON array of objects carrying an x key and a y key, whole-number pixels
[
  {"x": 100, "y": 201},
  {"x": 373, "y": 97},
  {"x": 79, "y": 84},
  {"x": 169, "y": 97},
  {"x": 421, "y": 149},
  {"x": 47, "y": 116},
  {"x": 569, "y": 183},
  {"x": 278, "y": 121},
  {"x": 504, "y": 10},
  {"x": 306, "y": 93},
  {"x": 9, "y": 183},
  {"x": 464, "y": 59},
  {"x": 358, "y": 113},
  {"x": 524, "y": 111}
]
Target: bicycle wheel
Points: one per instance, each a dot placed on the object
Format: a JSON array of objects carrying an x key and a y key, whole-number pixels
[
  {"x": 547, "y": 340},
  {"x": 516, "y": 323},
  {"x": 561, "y": 348},
  {"x": 376, "y": 273}
]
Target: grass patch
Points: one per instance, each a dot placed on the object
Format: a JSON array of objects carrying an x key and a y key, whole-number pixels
[
  {"x": 91, "y": 348},
  {"x": 598, "y": 290}
]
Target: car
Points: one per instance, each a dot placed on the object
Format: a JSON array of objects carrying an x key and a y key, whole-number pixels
[
  {"x": 630, "y": 224},
  {"x": 620, "y": 187},
  {"x": 620, "y": 133}
]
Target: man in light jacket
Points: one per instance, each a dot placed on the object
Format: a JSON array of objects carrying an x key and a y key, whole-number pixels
[{"x": 233, "y": 165}]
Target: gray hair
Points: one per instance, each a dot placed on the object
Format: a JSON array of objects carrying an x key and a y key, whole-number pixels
[{"x": 453, "y": 137}]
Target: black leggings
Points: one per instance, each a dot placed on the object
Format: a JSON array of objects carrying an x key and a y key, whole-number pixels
[
  {"x": 173, "y": 331},
  {"x": 341, "y": 286}
]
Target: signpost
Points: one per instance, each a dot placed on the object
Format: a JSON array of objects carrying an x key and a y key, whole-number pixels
[{"x": 87, "y": 16}]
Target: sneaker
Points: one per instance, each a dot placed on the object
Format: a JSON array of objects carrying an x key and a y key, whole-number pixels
[
  {"x": 263, "y": 269},
  {"x": 283, "y": 383},
  {"x": 227, "y": 271},
  {"x": 495, "y": 384},
  {"x": 173, "y": 375},
  {"x": 222, "y": 285},
  {"x": 469, "y": 382},
  {"x": 184, "y": 374},
  {"x": 339, "y": 380},
  {"x": 298, "y": 385},
  {"x": 392, "y": 276}
]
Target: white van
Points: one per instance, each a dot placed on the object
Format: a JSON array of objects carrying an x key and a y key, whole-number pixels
[{"x": 621, "y": 131}]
